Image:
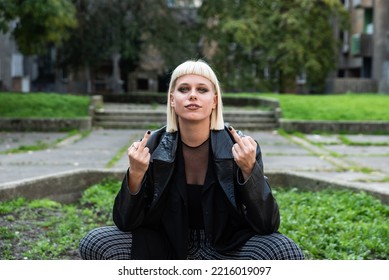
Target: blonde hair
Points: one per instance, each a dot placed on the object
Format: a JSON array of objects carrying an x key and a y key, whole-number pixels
[{"x": 201, "y": 68}]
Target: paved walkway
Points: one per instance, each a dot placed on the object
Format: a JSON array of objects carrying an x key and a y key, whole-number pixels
[{"x": 364, "y": 161}]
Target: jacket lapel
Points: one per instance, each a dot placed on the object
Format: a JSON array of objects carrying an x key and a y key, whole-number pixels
[
  {"x": 163, "y": 158},
  {"x": 224, "y": 162}
]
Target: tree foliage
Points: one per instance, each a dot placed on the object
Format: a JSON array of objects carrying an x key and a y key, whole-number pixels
[
  {"x": 34, "y": 24},
  {"x": 125, "y": 29},
  {"x": 266, "y": 44}
]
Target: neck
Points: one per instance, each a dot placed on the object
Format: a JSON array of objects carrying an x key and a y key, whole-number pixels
[{"x": 194, "y": 134}]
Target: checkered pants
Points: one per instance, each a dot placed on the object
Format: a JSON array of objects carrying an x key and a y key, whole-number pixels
[{"x": 109, "y": 243}]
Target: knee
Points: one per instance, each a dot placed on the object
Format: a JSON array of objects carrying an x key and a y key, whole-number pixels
[
  {"x": 275, "y": 246},
  {"x": 285, "y": 248},
  {"x": 89, "y": 243},
  {"x": 106, "y": 243}
]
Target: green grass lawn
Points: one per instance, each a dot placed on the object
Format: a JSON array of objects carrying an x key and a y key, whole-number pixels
[
  {"x": 43, "y": 105},
  {"x": 353, "y": 107},
  {"x": 330, "y": 224},
  {"x": 340, "y": 107}
]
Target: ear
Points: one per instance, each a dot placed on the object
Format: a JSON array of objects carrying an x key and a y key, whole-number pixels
[
  {"x": 214, "y": 102},
  {"x": 172, "y": 100}
]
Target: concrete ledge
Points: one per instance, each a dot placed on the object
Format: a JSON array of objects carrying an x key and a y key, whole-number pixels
[
  {"x": 312, "y": 183},
  {"x": 64, "y": 187},
  {"x": 367, "y": 127},
  {"x": 67, "y": 187},
  {"x": 42, "y": 124}
]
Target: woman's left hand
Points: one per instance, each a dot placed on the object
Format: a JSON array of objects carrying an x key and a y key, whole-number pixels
[{"x": 244, "y": 152}]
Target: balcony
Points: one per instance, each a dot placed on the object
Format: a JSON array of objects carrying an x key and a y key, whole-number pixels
[{"x": 362, "y": 45}]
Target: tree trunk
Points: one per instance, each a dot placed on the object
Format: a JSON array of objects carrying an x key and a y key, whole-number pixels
[{"x": 116, "y": 81}]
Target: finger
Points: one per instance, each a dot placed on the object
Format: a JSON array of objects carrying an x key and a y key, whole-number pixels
[
  {"x": 143, "y": 142},
  {"x": 134, "y": 146},
  {"x": 235, "y": 135},
  {"x": 249, "y": 142}
]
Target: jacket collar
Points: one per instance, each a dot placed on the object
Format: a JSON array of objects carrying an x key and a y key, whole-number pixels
[{"x": 221, "y": 142}]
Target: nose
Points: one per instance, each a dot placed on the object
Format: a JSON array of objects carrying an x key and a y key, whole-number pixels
[{"x": 193, "y": 95}]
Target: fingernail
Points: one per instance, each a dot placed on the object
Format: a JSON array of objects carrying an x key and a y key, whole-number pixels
[
  {"x": 230, "y": 128},
  {"x": 148, "y": 131}
]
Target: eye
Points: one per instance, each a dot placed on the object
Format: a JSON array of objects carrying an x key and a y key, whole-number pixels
[
  {"x": 183, "y": 89},
  {"x": 202, "y": 90}
]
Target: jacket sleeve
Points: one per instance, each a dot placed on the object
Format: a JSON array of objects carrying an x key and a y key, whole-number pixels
[
  {"x": 129, "y": 209},
  {"x": 260, "y": 207}
]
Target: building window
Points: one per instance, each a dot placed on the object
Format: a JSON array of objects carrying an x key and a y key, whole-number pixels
[
  {"x": 17, "y": 65},
  {"x": 368, "y": 21}
]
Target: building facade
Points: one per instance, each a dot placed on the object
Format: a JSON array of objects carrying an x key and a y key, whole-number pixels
[
  {"x": 16, "y": 70},
  {"x": 363, "y": 62}
]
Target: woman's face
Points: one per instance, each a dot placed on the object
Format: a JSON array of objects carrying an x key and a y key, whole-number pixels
[{"x": 193, "y": 98}]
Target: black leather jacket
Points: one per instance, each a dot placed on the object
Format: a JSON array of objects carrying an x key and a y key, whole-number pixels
[{"x": 233, "y": 210}]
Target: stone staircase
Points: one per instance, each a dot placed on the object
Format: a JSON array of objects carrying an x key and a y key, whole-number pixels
[{"x": 142, "y": 116}]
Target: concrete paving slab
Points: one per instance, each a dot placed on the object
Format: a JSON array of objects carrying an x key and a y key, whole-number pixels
[
  {"x": 348, "y": 176},
  {"x": 94, "y": 151},
  {"x": 323, "y": 139},
  {"x": 375, "y": 163},
  {"x": 359, "y": 150},
  {"x": 272, "y": 143},
  {"x": 14, "y": 140},
  {"x": 374, "y": 139},
  {"x": 293, "y": 162},
  {"x": 268, "y": 137}
]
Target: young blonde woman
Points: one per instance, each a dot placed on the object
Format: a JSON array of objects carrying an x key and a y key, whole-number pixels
[{"x": 194, "y": 189}]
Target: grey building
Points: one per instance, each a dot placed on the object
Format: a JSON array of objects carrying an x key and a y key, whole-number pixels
[
  {"x": 363, "y": 64},
  {"x": 16, "y": 70}
]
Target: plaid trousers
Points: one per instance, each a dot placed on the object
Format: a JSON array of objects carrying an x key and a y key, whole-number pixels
[{"x": 109, "y": 243}]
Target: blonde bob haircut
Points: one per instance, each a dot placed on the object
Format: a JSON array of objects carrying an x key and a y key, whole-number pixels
[{"x": 201, "y": 68}]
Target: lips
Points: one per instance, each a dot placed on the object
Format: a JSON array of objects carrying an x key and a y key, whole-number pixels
[{"x": 192, "y": 106}]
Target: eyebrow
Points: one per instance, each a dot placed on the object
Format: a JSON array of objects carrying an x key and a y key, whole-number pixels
[{"x": 188, "y": 84}]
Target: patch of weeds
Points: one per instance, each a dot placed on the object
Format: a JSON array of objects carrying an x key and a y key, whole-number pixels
[
  {"x": 12, "y": 205},
  {"x": 335, "y": 224},
  {"x": 328, "y": 224},
  {"x": 45, "y": 229},
  {"x": 283, "y": 133},
  {"x": 335, "y": 154}
]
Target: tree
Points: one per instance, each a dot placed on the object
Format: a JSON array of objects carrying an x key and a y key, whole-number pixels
[
  {"x": 120, "y": 30},
  {"x": 266, "y": 44},
  {"x": 35, "y": 24}
]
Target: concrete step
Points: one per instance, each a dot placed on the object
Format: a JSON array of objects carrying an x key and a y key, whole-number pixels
[
  {"x": 122, "y": 116},
  {"x": 156, "y": 124},
  {"x": 162, "y": 117}
]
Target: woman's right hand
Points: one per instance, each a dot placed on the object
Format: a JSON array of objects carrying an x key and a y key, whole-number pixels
[{"x": 139, "y": 159}]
